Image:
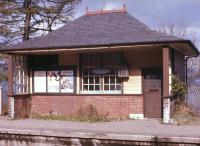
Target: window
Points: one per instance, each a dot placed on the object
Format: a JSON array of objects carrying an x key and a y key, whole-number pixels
[
  {"x": 43, "y": 61},
  {"x": 20, "y": 74},
  {"x": 100, "y": 73},
  {"x": 111, "y": 82},
  {"x": 39, "y": 81},
  {"x": 91, "y": 82},
  {"x": 54, "y": 81}
]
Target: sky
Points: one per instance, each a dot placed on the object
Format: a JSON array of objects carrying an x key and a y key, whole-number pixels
[{"x": 155, "y": 12}]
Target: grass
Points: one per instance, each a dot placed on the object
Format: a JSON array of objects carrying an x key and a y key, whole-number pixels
[
  {"x": 185, "y": 115},
  {"x": 84, "y": 114}
]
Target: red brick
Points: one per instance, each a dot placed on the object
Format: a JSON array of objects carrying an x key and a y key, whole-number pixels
[{"x": 116, "y": 106}]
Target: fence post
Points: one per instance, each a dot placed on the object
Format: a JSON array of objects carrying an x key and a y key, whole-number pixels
[{"x": 1, "y": 100}]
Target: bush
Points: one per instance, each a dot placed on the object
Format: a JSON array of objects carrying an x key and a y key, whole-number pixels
[
  {"x": 186, "y": 115},
  {"x": 179, "y": 90},
  {"x": 90, "y": 114},
  {"x": 182, "y": 113}
]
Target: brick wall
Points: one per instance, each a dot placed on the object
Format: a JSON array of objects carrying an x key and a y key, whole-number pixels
[
  {"x": 114, "y": 106},
  {"x": 22, "y": 106}
]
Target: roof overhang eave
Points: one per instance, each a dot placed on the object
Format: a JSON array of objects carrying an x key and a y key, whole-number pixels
[
  {"x": 194, "y": 47},
  {"x": 104, "y": 46}
]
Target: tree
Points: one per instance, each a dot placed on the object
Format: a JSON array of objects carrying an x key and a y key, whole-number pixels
[
  {"x": 193, "y": 70},
  {"x": 25, "y": 19},
  {"x": 181, "y": 31},
  {"x": 51, "y": 13},
  {"x": 9, "y": 20},
  {"x": 22, "y": 20}
]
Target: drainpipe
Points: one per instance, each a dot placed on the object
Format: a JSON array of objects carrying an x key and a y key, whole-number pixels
[{"x": 186, "y": 71}]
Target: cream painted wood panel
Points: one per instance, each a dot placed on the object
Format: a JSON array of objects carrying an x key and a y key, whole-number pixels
[
  {"x": 31, "y": 82},
  {"x": 133, "y": 85},
  {"x": 78, "y": 77},
  {"x": 170, "y": 73},
  {"x": 137, "y": 60},
  {"x": 170, "y": 80}
]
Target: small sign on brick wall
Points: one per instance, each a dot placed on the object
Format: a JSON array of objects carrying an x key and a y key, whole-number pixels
[{"x": 166, "y": 110}]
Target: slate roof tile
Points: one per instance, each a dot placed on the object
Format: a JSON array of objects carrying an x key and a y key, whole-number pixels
[{"x": 96, "y": 30}]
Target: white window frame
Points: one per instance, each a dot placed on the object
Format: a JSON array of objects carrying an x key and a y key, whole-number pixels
[{"x": 20, "y": 74}]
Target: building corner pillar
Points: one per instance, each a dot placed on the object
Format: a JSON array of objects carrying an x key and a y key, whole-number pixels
[
  {"x": 166, "y": 69},
  {"x": 166, "y": 85}
]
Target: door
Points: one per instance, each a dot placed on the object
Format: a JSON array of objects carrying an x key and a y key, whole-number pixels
[{"x": 152, "y": 85}]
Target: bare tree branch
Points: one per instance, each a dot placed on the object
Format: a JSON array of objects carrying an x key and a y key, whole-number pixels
[{"x": 30, "y": 18}]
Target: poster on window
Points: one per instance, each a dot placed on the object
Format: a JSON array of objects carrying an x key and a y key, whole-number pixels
[
  {"x": 53, "y": 81},
  {"x": 40, "y": 81},
  {"x": 67, "y": 81}
]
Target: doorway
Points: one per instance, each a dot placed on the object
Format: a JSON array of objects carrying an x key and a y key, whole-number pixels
[{"x": 152, "y": 89}]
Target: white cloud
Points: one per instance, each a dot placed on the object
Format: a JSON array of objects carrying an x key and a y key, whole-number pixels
[{"x": 110, "y": 6}]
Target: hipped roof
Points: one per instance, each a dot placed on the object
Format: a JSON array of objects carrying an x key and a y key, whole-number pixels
[{"x": 99, "y": 29}]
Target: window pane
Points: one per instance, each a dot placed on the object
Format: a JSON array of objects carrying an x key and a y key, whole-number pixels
[
  {"x": 112, "y": 87},
  {"x": 112, "y": 80},
  {"x": 97, "y": 87},
  {"x": 106, "y": 80},
  {"x": 97, "y": 80},
  {"x": 85, "y": 80},
  {"x": 85, "y": 72},
  {"x": 43, "y": 61},
  {"x": 25, "y": 88},
  {"x": 91, "y": 60},
  {"x": 90, "y": 71},
  {"x": 20, "y": 74},
  {"x": 84, "y": 59},
  {"x": 118, "y": 80},
  {"x": 91, "y": 87},
  {"x": 112, "y": 71},
  {"x": 39, "y": 81},
  {"x": 112, "y": 59},
  {"x": 91, "y": 80},
  {"x": 106, "y": 87},
  {"x": 95, "y": 60},
  {"x": 118, "y": 87},
  {"x": 85, "y": 87}
]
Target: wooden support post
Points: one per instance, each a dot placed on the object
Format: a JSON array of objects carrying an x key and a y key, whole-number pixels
[
  {"x": 10, "y": 75},
  {"x": 166, "y": 92},
  {"x": 10, "y": 87},
  {"x": 166, "y": 66}
]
